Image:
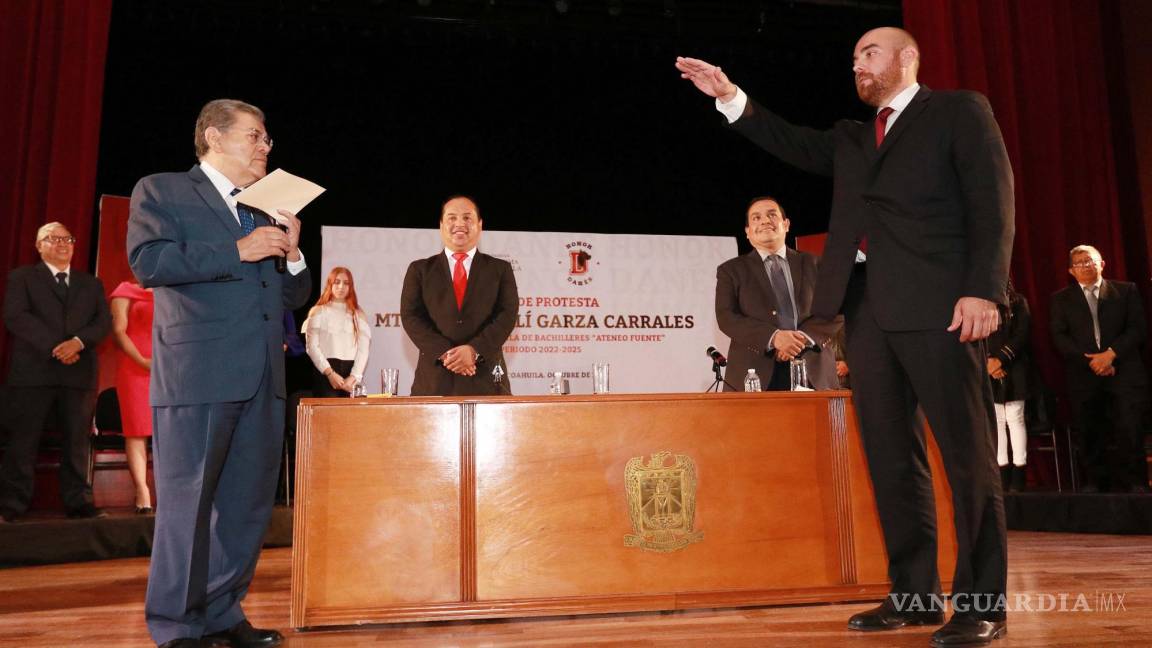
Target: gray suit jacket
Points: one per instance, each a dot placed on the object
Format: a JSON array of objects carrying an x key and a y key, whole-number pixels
[
  {"x": 746, "y": 312},
  {"x": 39, "y": 320},
  {"x": 218, "y": 321}
]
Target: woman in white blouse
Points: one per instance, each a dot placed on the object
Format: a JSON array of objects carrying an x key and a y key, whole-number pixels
[{"x": 338, "y": 336}]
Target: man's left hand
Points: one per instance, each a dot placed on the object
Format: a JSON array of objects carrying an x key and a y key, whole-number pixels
[
  {"x": 975, "y": 318},
  {"x": 289, "y": 220},
  {"x": 68, "y": 351}
]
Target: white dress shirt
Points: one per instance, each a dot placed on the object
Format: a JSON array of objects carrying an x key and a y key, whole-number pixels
[
  {"x": 329, "y": 334},
  {"x": 467, "y": 262}
]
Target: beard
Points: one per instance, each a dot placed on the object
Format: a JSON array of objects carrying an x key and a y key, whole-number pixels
[{"x": 881, "y": 86}]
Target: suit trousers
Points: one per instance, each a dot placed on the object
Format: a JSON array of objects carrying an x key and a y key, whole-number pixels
[
  {"x": 1109, "y": 433},
  {"x": 73, "y": 416},
  {"x": 216, "y": 467},
  {"x": 893, "y": 372}
]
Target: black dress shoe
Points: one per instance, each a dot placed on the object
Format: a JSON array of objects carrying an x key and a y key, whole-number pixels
[
  {"x": 86, "y": 512},
  {"x": 243, "y": 635},
  {"x": 145, "y": 510},
  {"x": 967, "y": 631},
  {"x": 886, "y": 617}
]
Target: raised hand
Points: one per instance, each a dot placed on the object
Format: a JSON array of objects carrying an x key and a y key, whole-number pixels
[{"x": 708, "y": 78}]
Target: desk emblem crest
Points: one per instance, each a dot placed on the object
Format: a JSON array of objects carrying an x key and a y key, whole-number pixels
[{"x": 661, "y": 502}]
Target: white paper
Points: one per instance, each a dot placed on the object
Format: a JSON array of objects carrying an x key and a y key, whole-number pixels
[{"x": 280, "y": 190}]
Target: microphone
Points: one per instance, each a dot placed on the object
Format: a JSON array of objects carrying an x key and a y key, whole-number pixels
[
  {"x": 717, "y": 357},
  {"x": 281, "y": 261}
]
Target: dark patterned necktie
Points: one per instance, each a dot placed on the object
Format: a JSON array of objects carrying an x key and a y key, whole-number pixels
[
  {"x": 247, "y": 218},
  {"x": 785, "y": 313},
  {"x": 61, "y": 286}
]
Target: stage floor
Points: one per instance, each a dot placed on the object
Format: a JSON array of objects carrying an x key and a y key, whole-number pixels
[{"x": 101, "y": 604}]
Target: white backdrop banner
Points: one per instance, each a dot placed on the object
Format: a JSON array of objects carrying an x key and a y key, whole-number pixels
[{"x": 643, "y": 303}]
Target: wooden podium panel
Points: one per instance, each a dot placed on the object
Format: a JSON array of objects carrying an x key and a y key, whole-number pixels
[{"x": 413, "y": 509}]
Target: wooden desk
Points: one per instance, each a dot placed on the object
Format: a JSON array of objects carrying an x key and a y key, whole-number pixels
[{"x": 417, "y": 509}]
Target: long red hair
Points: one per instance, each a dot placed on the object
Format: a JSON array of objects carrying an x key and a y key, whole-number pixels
[{"x": 350, "y": 302}]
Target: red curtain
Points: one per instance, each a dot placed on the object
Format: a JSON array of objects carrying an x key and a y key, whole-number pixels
[
  {"x": 52, "y": 62},
  {"x": 1042, "y": 65}
]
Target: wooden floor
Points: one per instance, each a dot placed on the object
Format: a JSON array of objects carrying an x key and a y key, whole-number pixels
[{"x": 101, "y": 604}]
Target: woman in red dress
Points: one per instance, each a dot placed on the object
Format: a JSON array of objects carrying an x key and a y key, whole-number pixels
[{"x": 132, "y": 329}]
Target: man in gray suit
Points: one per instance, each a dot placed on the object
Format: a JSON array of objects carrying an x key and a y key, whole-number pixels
[
  {"x": 217, "y": 385},
  {"x": 764, "y": 303},
  {"x": 57, "y": 315}
]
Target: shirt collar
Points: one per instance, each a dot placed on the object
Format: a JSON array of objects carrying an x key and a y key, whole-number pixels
[
  {"x": 448, "y": 253},
  {"x": 56, "y": 271},
  {"x": 1099, "y": 282},
  {"x": 222, "y": 183},
  {"x": 901, "y": 101},
  {"x": 782, "y": 253}
]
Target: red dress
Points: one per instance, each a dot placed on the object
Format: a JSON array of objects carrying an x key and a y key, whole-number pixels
[{"x": 131, "y": 378}]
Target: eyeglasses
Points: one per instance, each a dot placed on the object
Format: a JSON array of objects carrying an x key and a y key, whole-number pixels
[
  {"x": 255, "y": 135},
  {"x": 1084, "y": 264},
  {"x": 70, "y": 240}
]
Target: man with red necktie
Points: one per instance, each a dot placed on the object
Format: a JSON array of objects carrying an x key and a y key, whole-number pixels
[
  {"x": 459, "y": 307},
  {"x": 928, "y": 186}
]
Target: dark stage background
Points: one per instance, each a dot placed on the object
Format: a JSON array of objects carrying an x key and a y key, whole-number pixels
[{"x": 555, "y": 122}]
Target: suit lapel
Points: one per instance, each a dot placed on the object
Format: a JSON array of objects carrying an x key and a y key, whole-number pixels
[
  {"x": 903, "y": 121},
  {"x": 215, "y": 201},
  {"x": 475, "y": 279},
  {"x": 759, "y": 270},
  {"x": 47, "y": 280}
]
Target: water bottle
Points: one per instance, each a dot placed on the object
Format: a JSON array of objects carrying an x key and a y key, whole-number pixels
[{"x": 752, "y": 381}]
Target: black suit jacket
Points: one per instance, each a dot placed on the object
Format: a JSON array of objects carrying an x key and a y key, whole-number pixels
[
  {"x": 1122, "y": 328},
  {"x": 935, "y": 203},
  {"x": 39, "y": 320},
  {"x": 432, "y": 320},
  {"x": 746, "y": 312}
]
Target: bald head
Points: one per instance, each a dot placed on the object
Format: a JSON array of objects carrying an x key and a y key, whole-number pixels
[{"x": 885, "y": 62}]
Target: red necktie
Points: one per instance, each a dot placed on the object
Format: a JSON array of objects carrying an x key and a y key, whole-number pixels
[
  {"x": 459, "y": 278},
  {"x": 882, "y": 123}
]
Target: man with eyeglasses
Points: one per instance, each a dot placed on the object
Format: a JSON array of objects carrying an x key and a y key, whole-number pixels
[
  {"x": 217, "y": 386},
  {"x": 1098, "y": 326},
  {"x": 57, "y": 316},
  {"x": 764, "y": 303}
]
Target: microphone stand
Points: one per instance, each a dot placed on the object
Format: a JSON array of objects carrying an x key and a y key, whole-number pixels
[{"x": 719, "y": 373}]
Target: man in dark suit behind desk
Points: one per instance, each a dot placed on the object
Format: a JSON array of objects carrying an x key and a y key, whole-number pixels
[
  {"x": 57, "y": 316},
  {"x": 763, "y": 302},
  {"x": 1098, "y": 326},
  {"x": 459, "y": 307},
  {"x": 217, "y": 387},
  {"x": 927, "y": 185}
]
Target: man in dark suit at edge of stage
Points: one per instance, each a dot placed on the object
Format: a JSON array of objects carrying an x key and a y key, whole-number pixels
[{"x": 1098, "y": 326}]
